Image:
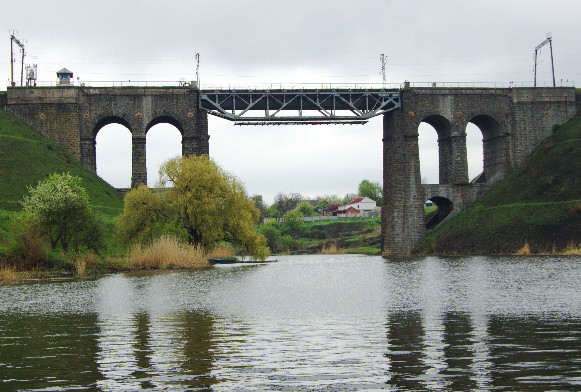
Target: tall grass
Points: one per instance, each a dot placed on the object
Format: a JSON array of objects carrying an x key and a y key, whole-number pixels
[
  {"x": 330, "y": 249},
  {"x": 167, "y": 253},
  {"x": 8, "y": 275},
  {"x": 221, "y": 252},
  {"x": 572, "y": 250},
  {"x": 525, "y": 250}
]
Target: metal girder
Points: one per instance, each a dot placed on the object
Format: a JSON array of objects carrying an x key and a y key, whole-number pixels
[{"x": 299, "y": 106}]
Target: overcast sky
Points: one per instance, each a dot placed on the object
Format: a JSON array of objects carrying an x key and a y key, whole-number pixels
[{"x": 248, "y": 43}]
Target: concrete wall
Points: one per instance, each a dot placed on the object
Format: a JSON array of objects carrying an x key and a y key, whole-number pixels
[
  {"x": 72, "y": 117},
  {"x": 513, "y": 122}
]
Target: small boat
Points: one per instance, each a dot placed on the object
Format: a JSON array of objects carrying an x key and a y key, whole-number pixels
[
  {"x": 237, "y": 261},
  {"x": 223, "y": 261}
]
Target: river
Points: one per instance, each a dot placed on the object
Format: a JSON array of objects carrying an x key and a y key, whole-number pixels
[{"x": 318, "y": 322}]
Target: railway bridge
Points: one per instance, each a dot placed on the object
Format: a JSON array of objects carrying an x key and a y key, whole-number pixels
[{"x": 512, "y": 120}]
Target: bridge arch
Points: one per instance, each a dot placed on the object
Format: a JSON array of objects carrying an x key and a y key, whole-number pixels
[
  {"x": 108, "y": 120},
  {"x": 452, "y": 158},
  {"x": 495, "y": 148},
  {"x": 165, "y": 119},
  {"x": 164, "y": 140},
  {"x": 112, "y": 137}
]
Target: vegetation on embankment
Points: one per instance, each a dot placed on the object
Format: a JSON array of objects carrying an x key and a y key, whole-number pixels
[
  {"x": 345, "y": 235},
  {"x": 538, "y": 204},
  {"x": 27, "y": 157},
  {"x": 32, "y": 244}
]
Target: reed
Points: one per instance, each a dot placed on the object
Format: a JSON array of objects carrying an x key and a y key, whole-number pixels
[
  {"x": 8, "y": 275},
  {"x": 167, "y": 253},
  {"x": 572, "y": 250},
  {"x": 221, "y": 252},
  {"x": 525, "y": 250},
  {"x": 84, "y": 262},
  {"x": 330, "y": 249}
]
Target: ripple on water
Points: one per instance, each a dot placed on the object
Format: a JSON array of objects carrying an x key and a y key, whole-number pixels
[{"x": 306, "y": 322}]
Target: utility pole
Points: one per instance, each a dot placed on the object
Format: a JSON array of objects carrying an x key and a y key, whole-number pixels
[
  {"x": 549, "y": 41},
  {"x": 383, "y": 59},
  {"x": 12, "y": 40},
  {"x": 198, "y": 70}
]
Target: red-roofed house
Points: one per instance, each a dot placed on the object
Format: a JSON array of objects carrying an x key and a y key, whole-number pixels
[{"x": 361, "y": 206}]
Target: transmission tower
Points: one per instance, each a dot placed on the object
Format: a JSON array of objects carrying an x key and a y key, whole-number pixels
[{"x": 383, "y": 59}]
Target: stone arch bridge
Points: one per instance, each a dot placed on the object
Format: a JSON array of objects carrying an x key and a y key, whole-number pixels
[{"x": 512, "y": 121}]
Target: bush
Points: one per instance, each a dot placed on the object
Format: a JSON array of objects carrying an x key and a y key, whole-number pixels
[
  {"x": 26, "y": 248},
  {"x": 59, "y": 208},
  {"x": 273, "y": 237}
]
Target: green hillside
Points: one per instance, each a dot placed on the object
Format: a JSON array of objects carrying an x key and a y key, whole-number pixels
[
  {"x": 26, "y": 157},
  {"x": 539, "y": 202}
]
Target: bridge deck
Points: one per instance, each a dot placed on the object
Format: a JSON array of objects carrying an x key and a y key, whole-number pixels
[{"x": 348, "y": 106}]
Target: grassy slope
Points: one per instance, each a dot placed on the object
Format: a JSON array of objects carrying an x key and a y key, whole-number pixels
[
  {"x": 27, "y": 157},
  {"x": 539, "y": 202},
  {"x": 351, "y": 235}
]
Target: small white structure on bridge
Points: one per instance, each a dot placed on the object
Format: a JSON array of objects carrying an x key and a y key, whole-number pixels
[{"x": 64, "y": 77}]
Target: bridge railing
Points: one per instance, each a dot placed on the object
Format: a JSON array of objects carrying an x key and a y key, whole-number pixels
[
  {"x": 302, "y": 86},
  {"x": 118, "y": 83},
  {"x": 562, "y": 83}
]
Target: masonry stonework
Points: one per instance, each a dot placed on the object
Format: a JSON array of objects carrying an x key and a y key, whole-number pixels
[
  {"x": 72, "y": 117},
  {"x": 513, "y": 122}
]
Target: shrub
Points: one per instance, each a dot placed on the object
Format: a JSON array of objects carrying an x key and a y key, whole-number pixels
[
  {"x": 26, "y": 248},
  {"x": 59, "y": 207}
]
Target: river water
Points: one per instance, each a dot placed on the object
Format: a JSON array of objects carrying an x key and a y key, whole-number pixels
[{"x": 304, "y": 323}]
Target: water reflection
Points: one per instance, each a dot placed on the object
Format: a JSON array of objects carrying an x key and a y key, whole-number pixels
[{"x": 346, "y": 323}]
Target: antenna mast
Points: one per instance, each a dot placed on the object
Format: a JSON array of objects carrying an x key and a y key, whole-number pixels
[
  {"x": 549, "y": 41},
  {"x": 383, "y": 59}
]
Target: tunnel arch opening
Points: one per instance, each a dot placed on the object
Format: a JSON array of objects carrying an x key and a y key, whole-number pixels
[{"x": 445, "y": 207}]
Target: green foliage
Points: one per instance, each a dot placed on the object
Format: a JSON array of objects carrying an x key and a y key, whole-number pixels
[
  {"x": 260, "y": 206},
  {"x": 285, "y": 202},
  {"x": 372, "y": 190},
  {"x": 272, "y": 212},
  {"x": 271, "y": 232},
  {"x": 327, "y": 203},
  {"x": 305, "y": 208},
  {"x": 293, "y": 220},
  {"x": 349, "y": 197},
  {"x": 147, "y": 217},
  {"x": 204, "y": 202},
  {"x": 27, "y": 157},
  {"x": 59, "y": 206},
  {"x": 26, "y": 249},
  {"x": 361, "y": 234}
]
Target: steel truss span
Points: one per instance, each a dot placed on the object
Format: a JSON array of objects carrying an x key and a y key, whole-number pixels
[{"x": 267, "y": 107}]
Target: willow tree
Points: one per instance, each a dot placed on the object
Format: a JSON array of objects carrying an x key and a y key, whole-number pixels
[{"x": 208, "y": 203}]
